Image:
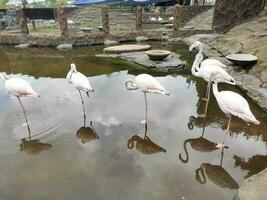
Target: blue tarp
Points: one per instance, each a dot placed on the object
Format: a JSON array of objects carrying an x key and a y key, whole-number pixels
[
  {"x": 118, "y": 2},
  {"x": 136, "y": 2}
]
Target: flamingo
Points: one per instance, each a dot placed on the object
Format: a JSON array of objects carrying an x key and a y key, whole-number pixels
[
  {"x": 209, "y": 61},
  {"x": 79, "y": 81},
  {"x": 205, "y": 71},
  {"x": 160, "y": 19},
  {"x": 153, "y": 19},
  {"x": 19, "y": 88},
  {"x": 231, "y": 103},
  {"x": 171, "y": 19},
  {"x": 147, "y": 84}
]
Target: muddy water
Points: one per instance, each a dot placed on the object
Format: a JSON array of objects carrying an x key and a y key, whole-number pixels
[{"x": 110, "y": 154}]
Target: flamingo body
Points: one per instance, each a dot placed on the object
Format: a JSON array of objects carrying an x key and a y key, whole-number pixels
[
  {"x": 148, "y": 83},
  {"x": 19, "y": 87},
  {"x": 78, "y": 80},
  {"x": 160, "y": 19},
  {"x": 153, "y": 19},
  {"x": 171, "y": 18},
  {"x": 232, "y": 103}
]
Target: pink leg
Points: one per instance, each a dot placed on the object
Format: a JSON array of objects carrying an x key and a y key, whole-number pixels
[
  {"x": 226, "y": 133},
  {"x": 23, "y": 110},
  {"x": 145, "y": 108},
  {"x": 207, "y": 99}
]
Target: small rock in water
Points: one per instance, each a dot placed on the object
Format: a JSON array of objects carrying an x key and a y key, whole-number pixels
[
  {"x": 22, "y": 46},
  {"x": 110, "y": 42},
  {"x": 141, "y": 39},
  {"x": 64, "y": 46}
]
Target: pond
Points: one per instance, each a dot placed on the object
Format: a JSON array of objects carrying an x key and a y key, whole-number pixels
[{"x": 107, "y": 156}]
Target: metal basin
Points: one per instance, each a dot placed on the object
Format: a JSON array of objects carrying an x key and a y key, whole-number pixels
[
  {"x": 242, "y": 59},
  {"x": 157, "y": 54}
]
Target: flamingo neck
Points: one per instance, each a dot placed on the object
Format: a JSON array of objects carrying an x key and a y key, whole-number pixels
[
  {"x": 130, "y": 85},
  {"x": 215, "y": 89},
  {"x": 196, "y": 64}
]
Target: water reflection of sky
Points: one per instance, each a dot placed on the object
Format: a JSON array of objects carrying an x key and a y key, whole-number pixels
[{"x": 106, "y": 168}]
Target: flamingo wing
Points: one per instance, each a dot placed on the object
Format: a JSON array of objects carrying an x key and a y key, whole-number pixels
[
  {"x": 234, "y": 104},
  {"x": 80, "y": 81},
  {"x": 211, "y": 61}
]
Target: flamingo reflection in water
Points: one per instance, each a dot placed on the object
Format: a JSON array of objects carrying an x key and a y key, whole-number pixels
[
  {"x": 144, "y": 145},
  {"x": 147, "y": 84},
  {"x": 199, "y": 144},
  {"x": 86, "y": 134},
  {"x": 216, "y": 174},
  {"x": 33, "y": 146}
]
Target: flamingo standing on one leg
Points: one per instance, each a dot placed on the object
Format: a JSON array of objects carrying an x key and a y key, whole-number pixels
[
  {"x": 147, "y": 84},
  {"x": 79, "y": 81},
  {"x": 231, "y": 103},
  {"x": 205, "y": 70},
  {"x": 18, "y": 88}
]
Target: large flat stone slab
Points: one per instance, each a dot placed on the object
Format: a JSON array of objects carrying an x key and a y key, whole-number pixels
[
  {"x": 254, "y": 188},
  {"x": 171, "y": 62},
  {"x": 126, "y": 48}
]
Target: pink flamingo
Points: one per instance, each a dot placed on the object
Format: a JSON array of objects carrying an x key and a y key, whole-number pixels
[
  {"x": 231, "y": 103},
  {"x": 147, "y": 84},
  {"x": 18, "y": 88}
]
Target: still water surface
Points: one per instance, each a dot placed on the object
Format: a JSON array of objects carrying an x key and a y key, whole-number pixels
[{"x": 111, "y": 155}]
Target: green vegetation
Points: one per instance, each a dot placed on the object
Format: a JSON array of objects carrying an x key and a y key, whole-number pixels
[{"x": 3, "y": 3}]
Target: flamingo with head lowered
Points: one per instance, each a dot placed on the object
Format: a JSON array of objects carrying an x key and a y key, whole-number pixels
[
  {"x": 18, "y": 88},
  {"x": 231, "y": 103},
  {"x": 205, "y": 70},
  {"x": 147, "y": 84}
]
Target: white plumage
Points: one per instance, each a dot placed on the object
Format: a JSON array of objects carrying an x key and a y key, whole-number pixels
[
  {"x": 160, "y": 19},
  {"x": 78, "y": 80},
  {"x": 171, "y": 19},
  {"x": 153, "y": 19},
  {"x": 146, "y": 83},
  {"x": 232, "y": 103}
]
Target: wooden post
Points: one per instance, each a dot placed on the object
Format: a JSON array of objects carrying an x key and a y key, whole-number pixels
[
  {"x": 33, "y": 25},
  {"x": 139, "y": 15},
  {"x": 22, "y": 21},
  {"x": 178, "y": 13},
  {"x": 105, "y": 20},
  {"x": 63, "y": 21}
]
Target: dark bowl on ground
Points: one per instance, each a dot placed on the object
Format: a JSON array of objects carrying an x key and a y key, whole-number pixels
[
  {"x": 158, "y": 55},
  {"x": 242, "y": 59}
]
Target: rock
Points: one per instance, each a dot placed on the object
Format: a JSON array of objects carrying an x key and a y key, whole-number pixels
[
  {"x": 22, "y": 46},
  {"x": 264, "y": 75},
  {"x": 110, "y": 42},
  {"x": 171, "y": 62},
  {"x": 64, "y": 46},
  {"x": 226, "y": 17},
  {"x": 254, "y": 187},
  {"x": 126, "y": 48},
  {"x": 250, "y": 82},
  {"x": 141, "y": 39}
]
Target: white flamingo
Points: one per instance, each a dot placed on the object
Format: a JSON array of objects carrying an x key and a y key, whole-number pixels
[
  {"x": 153, "y": 19},
  {"x": 160, "y": 19},
  {"x": 171, "y": 19},
  {"x": 147, "y": 84},
  {"x": 79, "y": 81},
  {"x": 205, "y": 71},
  {"x": 209, "y": 61},
  {"x": 18, "y": 88},
  {"x": 231, "y": 103}
]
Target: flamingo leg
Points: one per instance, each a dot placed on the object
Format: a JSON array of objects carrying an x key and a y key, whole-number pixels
[
  {"x": 207, "y": 99},
  {"x": 226, "y": 133},
  {"x": 145, "y": 107},
  {"x": 84, "y": 116},
  {"x": 24, "y": 113}
]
